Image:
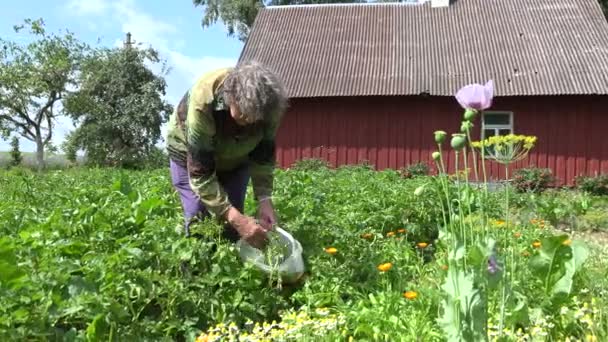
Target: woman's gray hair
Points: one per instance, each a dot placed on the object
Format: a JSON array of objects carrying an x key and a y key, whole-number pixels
[{"x": 255, "y": 90}]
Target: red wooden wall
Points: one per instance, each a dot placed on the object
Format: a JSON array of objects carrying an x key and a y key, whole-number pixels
[{"x": 393, "y": 132}]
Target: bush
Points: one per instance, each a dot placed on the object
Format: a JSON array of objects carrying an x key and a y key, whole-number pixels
[
  {"x": 310, "y": 164},
  {"x": 16, "y": 156},
  {"x": 415, "y": 170},
  {"x": 597, "y": 185},
  {"x": 532, "y": 179}
]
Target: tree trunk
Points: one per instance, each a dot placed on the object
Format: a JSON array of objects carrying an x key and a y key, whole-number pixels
[{"x": 39, "y": 153}]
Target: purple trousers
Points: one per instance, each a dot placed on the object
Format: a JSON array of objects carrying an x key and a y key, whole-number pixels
[{"x": 234, "y": 183}]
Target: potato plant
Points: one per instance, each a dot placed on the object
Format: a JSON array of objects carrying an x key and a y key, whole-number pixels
[{"x": 98, "y": 254}]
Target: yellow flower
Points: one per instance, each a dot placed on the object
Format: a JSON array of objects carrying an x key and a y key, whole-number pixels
[
  {"x": 202, "y": 338},
  {"x": 331, "y": 250},
  {"x": 567, "y": 242},
  {"x": 590, "y": 338},
  {"x": 385, "y": 267},
  {"x": 536, "y": 244},
  {"x": 422, "y": 245},
  {"x": 389, "y": 234},
  {"x": 402, "y": 230},
  {"x": 411, "y": 295}
]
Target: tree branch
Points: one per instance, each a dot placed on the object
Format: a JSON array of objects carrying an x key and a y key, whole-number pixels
[
  {"x": 19, "y": 111},
  {"x": 49, "y": 103},
  {"x": 21, "y": 125},
  {"x": 49, "y": 123}
]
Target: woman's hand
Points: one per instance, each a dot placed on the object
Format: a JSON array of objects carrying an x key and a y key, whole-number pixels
[
  {"x": 267, "y": 215},
  {"x": 248, "y": 229}
]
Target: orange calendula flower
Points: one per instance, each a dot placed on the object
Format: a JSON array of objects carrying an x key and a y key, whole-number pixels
[
  {"x": 444, "y": 267},
  {"x": 389, "y": 234},
  {"x": 411, "y": 295},
  {"x": 536, "y": 244},
  {"x": 517, "y": 235},
  {"x": 367, "y": 236},
  {"x": 422, "y": 245},
  {"x": 202, "y": 338},
  {"x": 385, "y": 267},
  {"x": 567, "y": 242},
  {"x": 331, "y": 250},
  {"x": 402, "y": 230}
]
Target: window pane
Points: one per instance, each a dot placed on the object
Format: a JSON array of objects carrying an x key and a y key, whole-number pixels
[
  {"x": 488, "y": 133},
  {"x": 504, "y": 131},
  {"x": 496, "y": 119}
]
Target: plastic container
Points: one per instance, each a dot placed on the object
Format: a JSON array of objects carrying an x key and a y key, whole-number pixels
[{"x": 289, "y": 266}]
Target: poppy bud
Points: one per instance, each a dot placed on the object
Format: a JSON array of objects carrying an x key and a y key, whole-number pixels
[
  {"x": 470, "y": 114},
  {"x": 466, "y": 126},
  {"x": 458, "y": 141},
  {"x": 440, "y": 136},
  {"x": 436, "y": 156}
]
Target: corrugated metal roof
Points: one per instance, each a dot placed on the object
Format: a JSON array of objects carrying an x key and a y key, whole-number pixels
[{"x": 528, "y": 47}]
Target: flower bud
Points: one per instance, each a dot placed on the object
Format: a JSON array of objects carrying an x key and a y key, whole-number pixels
[
  {"x": 470, "y": 114},
  {"x": 440, "y": 136},
  {"x": 436, "y": 156},
  {"x": 466, "y": 126},
  {"x": 458, "y": 141}
]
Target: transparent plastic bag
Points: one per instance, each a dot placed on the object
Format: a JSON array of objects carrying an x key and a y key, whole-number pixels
[{"x": 289, "y": 265}]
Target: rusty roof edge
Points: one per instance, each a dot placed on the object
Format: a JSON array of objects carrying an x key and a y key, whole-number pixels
[{"x": 357, "y": 4}]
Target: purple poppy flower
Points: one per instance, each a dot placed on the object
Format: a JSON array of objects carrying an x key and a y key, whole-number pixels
[{"x": 476, "y": 96}]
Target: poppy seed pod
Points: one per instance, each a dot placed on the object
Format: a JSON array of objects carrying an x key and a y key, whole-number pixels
[
  {"x": 436, "y": 156},
  {"x": 458, "y": 141},
  {"x": 470, "y": 114},
  {"x": 440, "y": 136}
]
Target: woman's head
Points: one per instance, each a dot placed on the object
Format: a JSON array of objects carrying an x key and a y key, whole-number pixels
[{"x": 253, "y": 91}]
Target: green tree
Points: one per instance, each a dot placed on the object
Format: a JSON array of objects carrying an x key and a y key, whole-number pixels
[
  {"x": 239, "y": 15},
  {"x": 118, "y": 109},
  {"x": 16, "y": 156},
  {"x": 34, "y": 77}
]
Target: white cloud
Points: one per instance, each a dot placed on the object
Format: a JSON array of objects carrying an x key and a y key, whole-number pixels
[{"x": 87, "y": 7}]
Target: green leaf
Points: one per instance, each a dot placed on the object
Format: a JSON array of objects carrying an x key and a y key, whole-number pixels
[
  {"x": 572, "y": 265},
  {"x": 97, "y": 328}
]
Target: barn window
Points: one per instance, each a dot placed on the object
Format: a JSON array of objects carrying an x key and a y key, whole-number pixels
[{"x": 496, "y": 123}]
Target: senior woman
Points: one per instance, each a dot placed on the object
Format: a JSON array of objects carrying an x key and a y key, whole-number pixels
[{"x": 221, "y": 134}]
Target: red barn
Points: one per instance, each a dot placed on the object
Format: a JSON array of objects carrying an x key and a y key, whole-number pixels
[{"x": 372, "y": 82}]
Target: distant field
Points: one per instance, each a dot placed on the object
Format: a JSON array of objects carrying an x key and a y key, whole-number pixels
[{"x": 29, "y": 160}]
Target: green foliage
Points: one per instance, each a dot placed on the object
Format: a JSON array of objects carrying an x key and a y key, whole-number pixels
[
  {"x": 16, "y": 156},
  {"x": 34, "y": 77},
  {"x": 532, "y": 179},
  {"x": 415, "y": 170},
  {"x": 556, "y": 264},
  {"x": 310, "y": 164},
  {"x": 118, "y": 108},
  {"x": 596, "y": 185},
  {"x": 99, "y": 254}
]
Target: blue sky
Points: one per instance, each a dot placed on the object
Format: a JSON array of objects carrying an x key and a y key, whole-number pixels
[{"x": 171, "y": 27}]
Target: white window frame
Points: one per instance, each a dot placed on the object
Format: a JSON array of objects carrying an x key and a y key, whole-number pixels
[{"x": 496, "y": 128}]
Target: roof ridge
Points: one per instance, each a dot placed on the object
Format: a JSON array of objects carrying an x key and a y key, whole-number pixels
[{"x": 357, "y": 4}]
